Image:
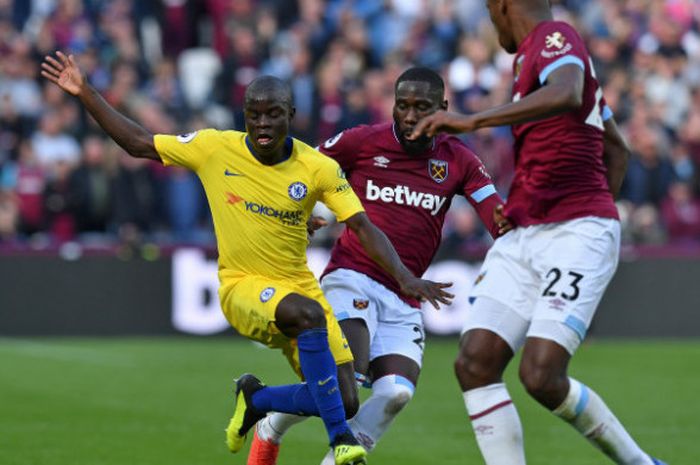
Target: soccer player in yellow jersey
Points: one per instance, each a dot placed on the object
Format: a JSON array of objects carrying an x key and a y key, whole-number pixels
[{"x": 261, "y": 186}]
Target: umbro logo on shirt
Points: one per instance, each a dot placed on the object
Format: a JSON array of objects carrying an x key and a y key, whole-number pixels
[
  {"x": 231, "y": 173},
  {"x": 381, "y": 161}
]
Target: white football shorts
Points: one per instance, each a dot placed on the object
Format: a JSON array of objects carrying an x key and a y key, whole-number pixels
[
  {"x": 394, "y": 326},
  {"x": 551, "y": 276}
]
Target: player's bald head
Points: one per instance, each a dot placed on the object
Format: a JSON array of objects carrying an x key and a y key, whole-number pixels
[
  {"x": 514, "y": 19},
  {"x": 269, "y": 88},
  {"x": 433, "y": 81}
]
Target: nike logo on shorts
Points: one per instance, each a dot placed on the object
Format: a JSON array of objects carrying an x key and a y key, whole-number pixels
[{"x": 231, "y": 173}]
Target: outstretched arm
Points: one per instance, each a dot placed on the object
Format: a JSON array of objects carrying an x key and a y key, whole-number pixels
[
  {"x": 616, "y": 152},
  {"x": 563, "y": 92},
  {"x": 379, "y": 248},
  {"x": 65, "y": 73}
]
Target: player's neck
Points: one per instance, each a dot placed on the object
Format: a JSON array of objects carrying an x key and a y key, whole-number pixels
[
  {"x": 269, "y": 159},
  {"x": 274, "y": 157},
  {"x": 527, "y": 22}
]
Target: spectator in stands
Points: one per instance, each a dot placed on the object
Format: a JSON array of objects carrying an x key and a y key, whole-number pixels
[
  {"x": 90, "y": 189},
  {"x": 11, "y": 130},
  {"x": 680, "y": 212},
  {"x": 649, "y": 173},
  {"x": 135, "y": 197},
  {"x": 8, "y": 216},
  {"x": 52, "y": 145},
  {"x": 303, "y": 91},
  {"x": 27, "y": 180},
  {"x": 18, "y": 86},
  {"x": 341, "y": 59},
  {"x": 60, "y": 222},
  {"x": 329, "y": 100},
  {"x": 239, "y": 68},
  {"x": 690, "y": 133},
  {"x": 164, "y": 89},
  {"x": 185, "y": 206},
  {"x": 355, "y": 109}
]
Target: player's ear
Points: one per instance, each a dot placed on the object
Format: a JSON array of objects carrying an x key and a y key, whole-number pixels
[
  {"x": 292, "y": 112},
  {"x": 503, "y": 6},
  {"x": 443, "y": 105}
]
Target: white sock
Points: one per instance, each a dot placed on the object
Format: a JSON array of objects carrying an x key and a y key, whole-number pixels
[
  {"x": 586, "y": 411},
  {"x": 390, "y": 394},
  {"x": 272, "y": 427},
  {"x": 496, "y": 424},
  {"x": 328, "y": 459}
]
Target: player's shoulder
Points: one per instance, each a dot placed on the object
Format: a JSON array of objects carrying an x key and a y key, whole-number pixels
[
  {"x": 449, "y": 146},
  {"x": 320, "y": 168},
  {"x": 208, "y": 135},
  {"x": 310, "y": 156},
  {"x": 556, "y": 34},
  {"x": 228, "y": 135},
  {"x": 381, "y": 129},
  {"x": 454, "y": 151},
  {"x": 361, "y": 134}
]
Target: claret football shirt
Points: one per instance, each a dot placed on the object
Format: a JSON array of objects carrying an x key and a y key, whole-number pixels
[
  {"x": 559, "y": 169},
  {"x": 406, "y": 196}
]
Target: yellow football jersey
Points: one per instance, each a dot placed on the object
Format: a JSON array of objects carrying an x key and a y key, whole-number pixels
[{"x": 260, "y": 211}]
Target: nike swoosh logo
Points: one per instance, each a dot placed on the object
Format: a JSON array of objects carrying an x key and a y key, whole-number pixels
[
  {"x": 325, "y": 381},
  {"x": 231, "y": 173}
]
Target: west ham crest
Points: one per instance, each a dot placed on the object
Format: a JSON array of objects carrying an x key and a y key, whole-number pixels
[
  {"x": 437, "y": 170},
  {"x": 360, "y": 304}
]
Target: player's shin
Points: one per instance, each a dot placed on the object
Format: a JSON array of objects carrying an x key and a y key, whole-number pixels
[
  {"x": 320, "y": 372},
  {"x": 587, "y": 412},
  {"x": 496, "y": 425},
  {"x": 390, "y": 394},
  {"x": 289, "y": 398}
]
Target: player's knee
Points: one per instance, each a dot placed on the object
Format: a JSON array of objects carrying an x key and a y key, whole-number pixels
[
  {"x": 310, "y": 315},
  {"x": 474, "y": 368},
  {"x": 395, "y": 391},
  {"x": 398, "y": 400},
  {"x": 541, "y": 382}
]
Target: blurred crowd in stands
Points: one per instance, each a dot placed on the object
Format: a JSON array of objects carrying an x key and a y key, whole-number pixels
[{"x": 181, "y": 65}]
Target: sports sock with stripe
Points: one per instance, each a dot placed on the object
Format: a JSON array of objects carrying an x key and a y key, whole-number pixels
[
  {"x": 389, "y": 395},
  {"x": 586, "y": 411},
  {"x": 496, "y": 425}
]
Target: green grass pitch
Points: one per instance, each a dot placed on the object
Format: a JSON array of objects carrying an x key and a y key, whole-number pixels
[{"x": 166, "y": 402}]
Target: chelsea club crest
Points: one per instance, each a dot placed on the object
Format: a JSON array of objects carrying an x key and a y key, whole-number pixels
[
  {"x": 297, "y": 190},
  {"x": 267, "y": 294}
]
